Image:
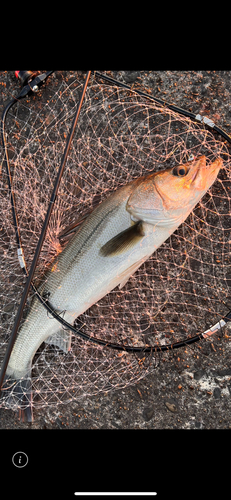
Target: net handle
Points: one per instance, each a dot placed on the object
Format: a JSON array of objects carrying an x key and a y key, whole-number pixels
[
  {"x": 197, "y": 117},
  {"x": 42, "y": 234},
  {"x": 139, "y": 349}
]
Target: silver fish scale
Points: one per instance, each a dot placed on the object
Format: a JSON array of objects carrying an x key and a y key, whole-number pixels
[{"x": 80, "y": 276}]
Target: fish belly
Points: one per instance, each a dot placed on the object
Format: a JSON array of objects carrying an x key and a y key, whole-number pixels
[{"x": 84, "y": 283}]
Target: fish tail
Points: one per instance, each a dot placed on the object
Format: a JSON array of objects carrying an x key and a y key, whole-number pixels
[{"x": 16, "y": 394}]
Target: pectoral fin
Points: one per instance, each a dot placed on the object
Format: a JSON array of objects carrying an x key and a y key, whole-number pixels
[{"x": 123, "y": 241}]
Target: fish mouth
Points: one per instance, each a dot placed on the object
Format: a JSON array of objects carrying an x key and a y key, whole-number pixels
[
  {"x": 204, "y": 173},
  {"x": 216, "y": 165},
  {"x": 200, "y": 163},
  {"x": 195, "y": 175}
]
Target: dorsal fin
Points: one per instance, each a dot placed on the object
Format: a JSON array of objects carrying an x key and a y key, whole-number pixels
[{"x": 68, "y": 232}]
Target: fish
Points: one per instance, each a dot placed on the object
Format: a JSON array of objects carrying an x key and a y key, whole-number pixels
[{"x": 108, "y": 247}]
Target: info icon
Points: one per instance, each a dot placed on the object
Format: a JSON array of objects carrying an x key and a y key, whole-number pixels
[{"x": 20, "y": 459}]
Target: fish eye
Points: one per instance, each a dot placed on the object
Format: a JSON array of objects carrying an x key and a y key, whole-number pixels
[{"x": 180, "y": 171}]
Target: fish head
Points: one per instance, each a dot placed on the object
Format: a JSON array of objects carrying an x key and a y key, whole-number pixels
[{"x": 169, "y": 195}]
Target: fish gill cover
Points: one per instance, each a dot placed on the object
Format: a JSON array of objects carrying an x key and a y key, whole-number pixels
[{"x": 182, "y": 289}]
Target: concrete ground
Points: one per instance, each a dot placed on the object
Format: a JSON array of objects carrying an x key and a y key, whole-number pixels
[{"x": 190, "y": 388}]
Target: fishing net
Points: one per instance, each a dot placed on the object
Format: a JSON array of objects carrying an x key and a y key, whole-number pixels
[{"x": 180, "y": 291}]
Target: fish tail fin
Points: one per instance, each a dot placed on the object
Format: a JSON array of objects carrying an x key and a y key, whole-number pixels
[{"x": 16, "y": 394}]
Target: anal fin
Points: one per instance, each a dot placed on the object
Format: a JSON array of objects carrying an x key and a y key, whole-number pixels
[
  {"x": 129, "y": 271},
  {"x": 62, "y": 339}
]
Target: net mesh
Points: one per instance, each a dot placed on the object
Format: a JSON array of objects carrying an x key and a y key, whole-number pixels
[{"x": 180, "y": 291}]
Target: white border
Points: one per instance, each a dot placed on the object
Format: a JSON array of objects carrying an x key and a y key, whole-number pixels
[{"x": 112, "y": 493}]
